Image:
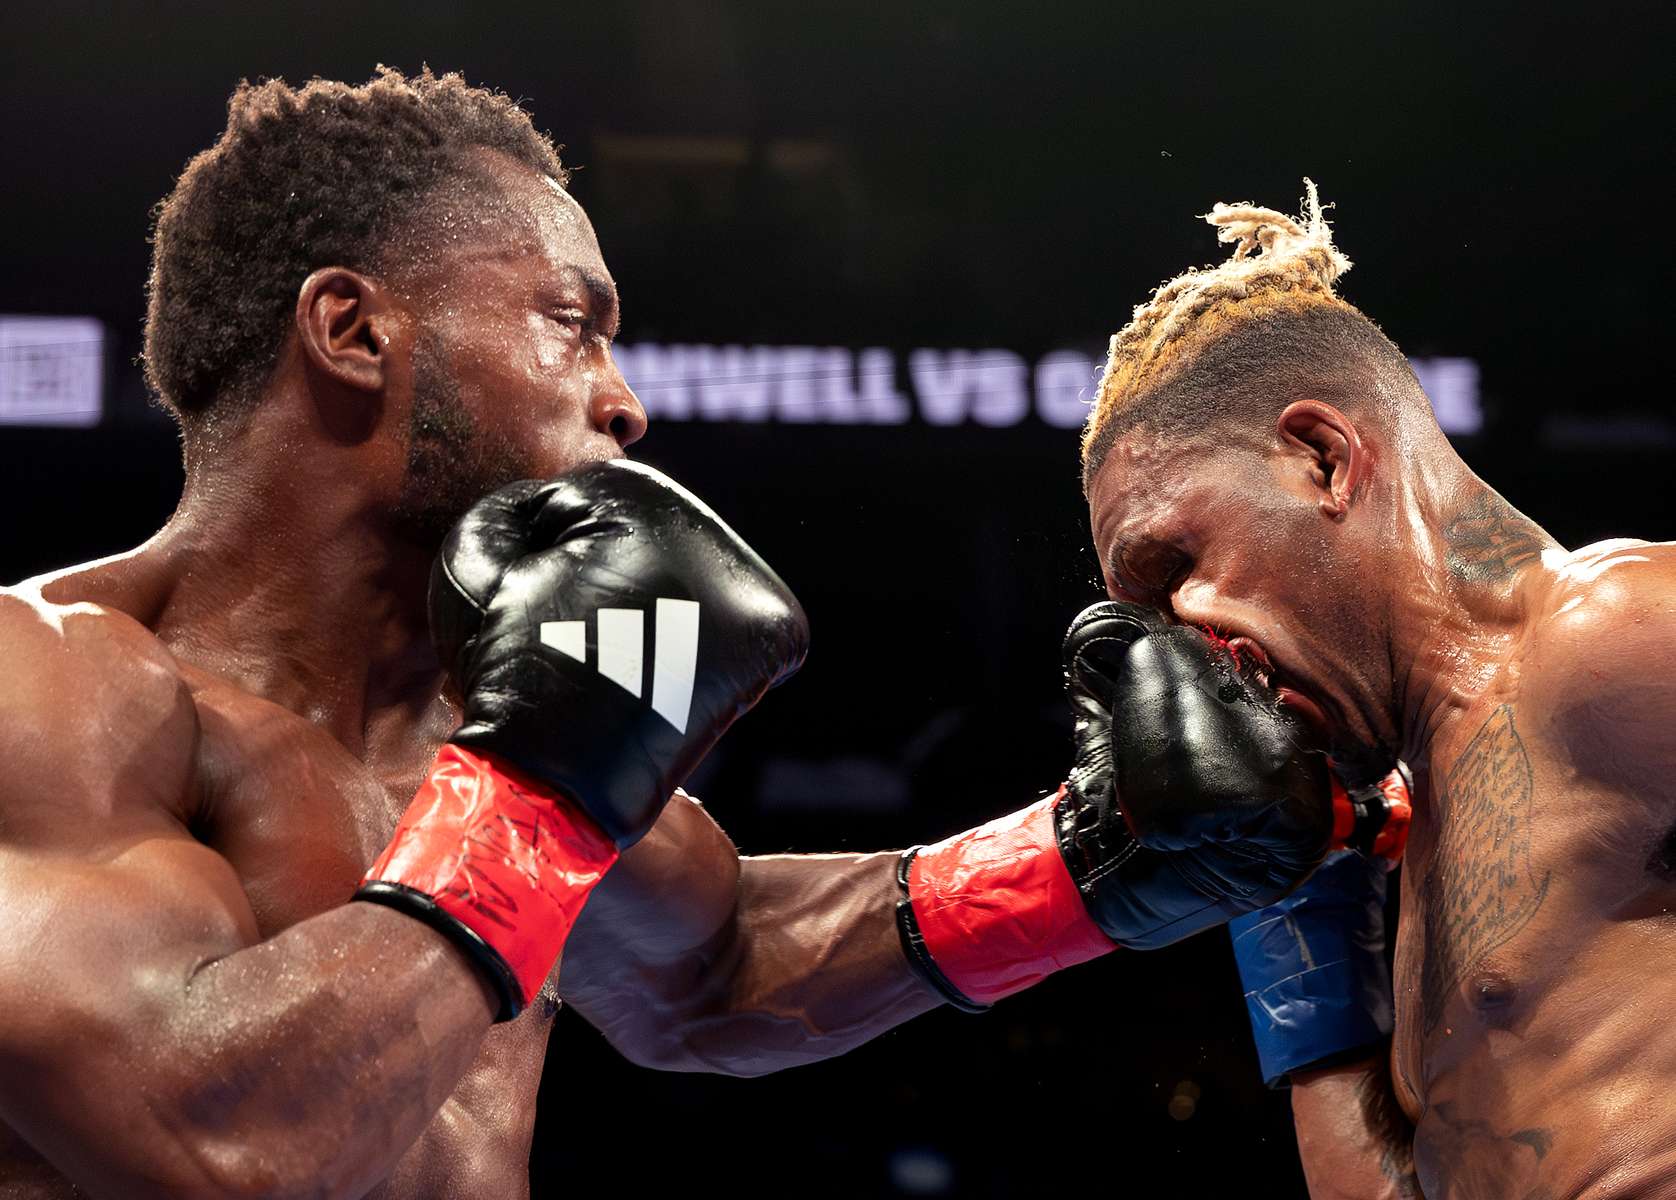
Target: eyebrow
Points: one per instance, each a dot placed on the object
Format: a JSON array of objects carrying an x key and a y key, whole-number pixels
[
  {"x": 1115, "y": 548},
  {"x": 602, "y": 295}
]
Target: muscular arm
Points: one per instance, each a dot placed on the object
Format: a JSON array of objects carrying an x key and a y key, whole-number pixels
[
  {"x": 691, "y": 958},
  {"x": 1353, "y": 1139},
  {"x": 152, "y": 1045},
  {"x": 688, "y": 958}
]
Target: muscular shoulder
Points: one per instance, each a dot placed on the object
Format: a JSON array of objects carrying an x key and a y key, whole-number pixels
[
  {"x": 1607, "y": 606},
  {"x": 1600, "y": 661},
  {"x": 95, "y": 718}
]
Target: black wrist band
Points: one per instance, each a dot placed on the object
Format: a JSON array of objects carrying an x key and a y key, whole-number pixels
[
  {"x": 913, "y": 944},
  {"x": 482, "y": 955}
]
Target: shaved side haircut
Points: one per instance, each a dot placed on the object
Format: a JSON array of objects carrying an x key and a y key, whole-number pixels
[{"x": 1227, "y": 347}]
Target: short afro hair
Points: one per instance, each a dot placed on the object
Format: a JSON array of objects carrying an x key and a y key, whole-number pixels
[{"x": 326, "y": 174}]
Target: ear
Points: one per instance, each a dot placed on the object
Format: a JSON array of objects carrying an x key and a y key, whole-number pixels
[
  {"x": 340, "y": 319},
  {"x": 1338, "y": 459}
]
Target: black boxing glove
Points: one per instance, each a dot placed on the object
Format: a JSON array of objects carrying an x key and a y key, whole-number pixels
[
  {"x": 1180, "y": 750},
  {"x": 603, "y": 629},
  {"x": 1229, "y": 804}
]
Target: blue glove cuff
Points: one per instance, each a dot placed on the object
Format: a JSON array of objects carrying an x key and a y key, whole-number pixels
[{"x": 1316, "y": 985}]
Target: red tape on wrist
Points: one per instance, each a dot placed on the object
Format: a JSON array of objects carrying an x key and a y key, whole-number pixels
[
  {"x": 1394, "y": 811},
  {"x": 1344, "y": 814},
  {"x": 1399, "y": 811},
  {"x": 997, "y": 908},
  {"x": 503, "y": 855}
]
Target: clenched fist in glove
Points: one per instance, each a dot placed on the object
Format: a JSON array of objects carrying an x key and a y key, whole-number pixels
[
  {"x": 603, "y": 629},
  {"x": 1195, "y": 796}
]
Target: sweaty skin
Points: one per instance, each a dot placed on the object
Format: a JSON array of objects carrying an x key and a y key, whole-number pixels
[
  {"x": 1353, "y": 1139},
  {"x": 1533, "y": 692},
  {"x": 1532, "y": 1046},
  {"x": 208, "y": 739}
]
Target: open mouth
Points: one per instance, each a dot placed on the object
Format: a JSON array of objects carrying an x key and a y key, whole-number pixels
[{"x": 1250, "y": 656}]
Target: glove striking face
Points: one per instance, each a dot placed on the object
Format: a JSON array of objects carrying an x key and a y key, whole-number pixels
[{"x": 1195, "y": 795}]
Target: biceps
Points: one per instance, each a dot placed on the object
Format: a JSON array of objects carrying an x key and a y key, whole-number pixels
[
  {"x": 656, "y": 944},
  {"x": 675, "y": 892},
  {"x": 97, "y": 951}
]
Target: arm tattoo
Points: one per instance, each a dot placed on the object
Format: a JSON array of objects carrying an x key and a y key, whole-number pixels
[
  {"x": 1489, "y": 540},
  {"x": 1481, "y": 889}
]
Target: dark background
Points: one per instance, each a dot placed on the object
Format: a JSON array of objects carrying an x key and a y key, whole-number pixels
[{"x": 960, "y": 174}]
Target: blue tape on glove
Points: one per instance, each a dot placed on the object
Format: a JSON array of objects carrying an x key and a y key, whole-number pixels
[{"x": 1313, "y": 965}]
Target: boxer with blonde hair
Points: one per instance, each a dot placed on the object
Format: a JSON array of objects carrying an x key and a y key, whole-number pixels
[{"x": 1262, "y": 461}]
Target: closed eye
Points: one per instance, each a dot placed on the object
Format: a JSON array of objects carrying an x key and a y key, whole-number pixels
[{"x": 1157, "y": 569}]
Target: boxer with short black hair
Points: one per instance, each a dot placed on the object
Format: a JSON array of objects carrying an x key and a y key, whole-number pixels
[
  {"x": 305, "y": 798},
  {"x": 1262, "y": 460}
]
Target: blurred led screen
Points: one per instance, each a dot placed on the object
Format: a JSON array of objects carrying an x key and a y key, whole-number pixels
[
  {"x": 837, "y": 386},
  {"x": 52, "y": 370}
]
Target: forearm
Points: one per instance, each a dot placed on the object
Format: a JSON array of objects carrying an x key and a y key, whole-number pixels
[
  {"x": 303, "y": 1065},
  {"x": 814, "y": 966},
  {"x": 1353, "y": 1139},
  {"x": 690, "y": 958}
]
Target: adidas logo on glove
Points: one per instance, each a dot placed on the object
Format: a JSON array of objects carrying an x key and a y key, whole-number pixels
[{"x": 621, "y": 644}]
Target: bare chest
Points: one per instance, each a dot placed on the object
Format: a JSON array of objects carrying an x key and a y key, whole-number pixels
[
  {"x": 1529, "y": 894},
  {"x": 297, "y": 816},
  {"x": 1479, "y": 873},
  {"x": 300, "y": 819}
]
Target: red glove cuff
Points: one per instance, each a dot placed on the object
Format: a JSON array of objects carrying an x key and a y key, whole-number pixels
[
  {"x": 997, "y": 909},
  {"x": 1375, "y": 821},
  {"x": 496, "y": 860},
  {"x": 1393, "y": 835}
]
